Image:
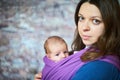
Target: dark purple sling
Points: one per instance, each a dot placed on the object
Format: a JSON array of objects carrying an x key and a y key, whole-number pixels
[{"x": 66, "y": 68}]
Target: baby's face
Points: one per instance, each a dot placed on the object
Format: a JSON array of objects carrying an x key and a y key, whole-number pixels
[{"x": 58, "y": 52}]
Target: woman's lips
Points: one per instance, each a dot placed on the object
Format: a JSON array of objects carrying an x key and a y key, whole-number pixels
[{"x": 85, "y": 37}]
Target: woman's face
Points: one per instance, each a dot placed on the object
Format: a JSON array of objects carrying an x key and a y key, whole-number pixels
[{"x": 90, "y": 24}]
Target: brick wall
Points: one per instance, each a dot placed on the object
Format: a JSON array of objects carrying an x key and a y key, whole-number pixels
[{"x": 24, "y": 26}]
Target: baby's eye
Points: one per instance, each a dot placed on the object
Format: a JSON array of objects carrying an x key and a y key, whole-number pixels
[
  {"x": 65, "y": 51},
  {"x": 81, "y": 18},
  {"x": 96, "y": 21},
  {"x": 57, "y": 54}
]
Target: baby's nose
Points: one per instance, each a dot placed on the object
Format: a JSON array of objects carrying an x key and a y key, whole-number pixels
[{"x": 63, "y": 55}]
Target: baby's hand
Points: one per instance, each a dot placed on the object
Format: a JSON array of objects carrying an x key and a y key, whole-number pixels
[{"x": 38, "y": 76}]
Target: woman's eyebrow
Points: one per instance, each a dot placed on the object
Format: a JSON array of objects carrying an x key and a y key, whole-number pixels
[
  {"x": 79, "y": 14},
  {"x": 96, "y": 17}
]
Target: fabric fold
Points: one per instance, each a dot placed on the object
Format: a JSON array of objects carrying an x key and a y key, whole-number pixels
[{"x": 64, "y": 69}]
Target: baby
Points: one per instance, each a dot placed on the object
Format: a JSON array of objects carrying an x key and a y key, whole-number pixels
[{"x": 56, "y": 48}]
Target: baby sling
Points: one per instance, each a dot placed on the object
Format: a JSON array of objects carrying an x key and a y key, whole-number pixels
[{"x": 66, "y": 68}]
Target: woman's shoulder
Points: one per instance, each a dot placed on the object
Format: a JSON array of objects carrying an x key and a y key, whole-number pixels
[
  {"x": 97, "y": 70},
  {"x": 100, "y": 64}
]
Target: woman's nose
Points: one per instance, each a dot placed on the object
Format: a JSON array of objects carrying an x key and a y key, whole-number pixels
[{"x": 86, "y": 26}]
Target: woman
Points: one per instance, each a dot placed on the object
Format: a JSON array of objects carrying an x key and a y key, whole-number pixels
[{"x": 98, "y": 29}]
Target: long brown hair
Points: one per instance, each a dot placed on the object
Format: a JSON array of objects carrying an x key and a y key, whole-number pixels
[{"x": 109, "y": 42}]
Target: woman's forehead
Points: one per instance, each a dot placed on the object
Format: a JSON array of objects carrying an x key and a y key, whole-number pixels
[{"x": 88, "y": 9}]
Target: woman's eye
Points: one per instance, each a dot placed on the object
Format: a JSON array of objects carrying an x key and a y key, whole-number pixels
[
  {"x": 81, "y": 18},
  {"x": 95, "y": 21}
]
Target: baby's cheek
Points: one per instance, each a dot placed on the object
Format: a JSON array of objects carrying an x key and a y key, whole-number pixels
[{"x": 67, "y": 54}]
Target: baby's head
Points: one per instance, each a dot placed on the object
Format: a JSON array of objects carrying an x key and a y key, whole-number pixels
[{"x": 56, "y": 48}]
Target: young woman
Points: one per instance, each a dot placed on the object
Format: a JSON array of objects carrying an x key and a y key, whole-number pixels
[{"x": 98, "y": 27}]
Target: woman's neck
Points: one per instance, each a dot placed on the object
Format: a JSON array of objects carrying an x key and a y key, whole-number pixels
[{"x": 86, "y": 47}]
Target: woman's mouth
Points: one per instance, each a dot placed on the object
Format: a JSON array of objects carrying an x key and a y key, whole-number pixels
[{"x": 85, "y": 37}]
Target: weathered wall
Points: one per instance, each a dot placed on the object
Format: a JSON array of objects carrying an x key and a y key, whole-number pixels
[{"x": 24, "y": 26}]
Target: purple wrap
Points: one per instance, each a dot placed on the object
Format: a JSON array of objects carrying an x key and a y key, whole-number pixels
[{"x": 66, "y": 68}]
